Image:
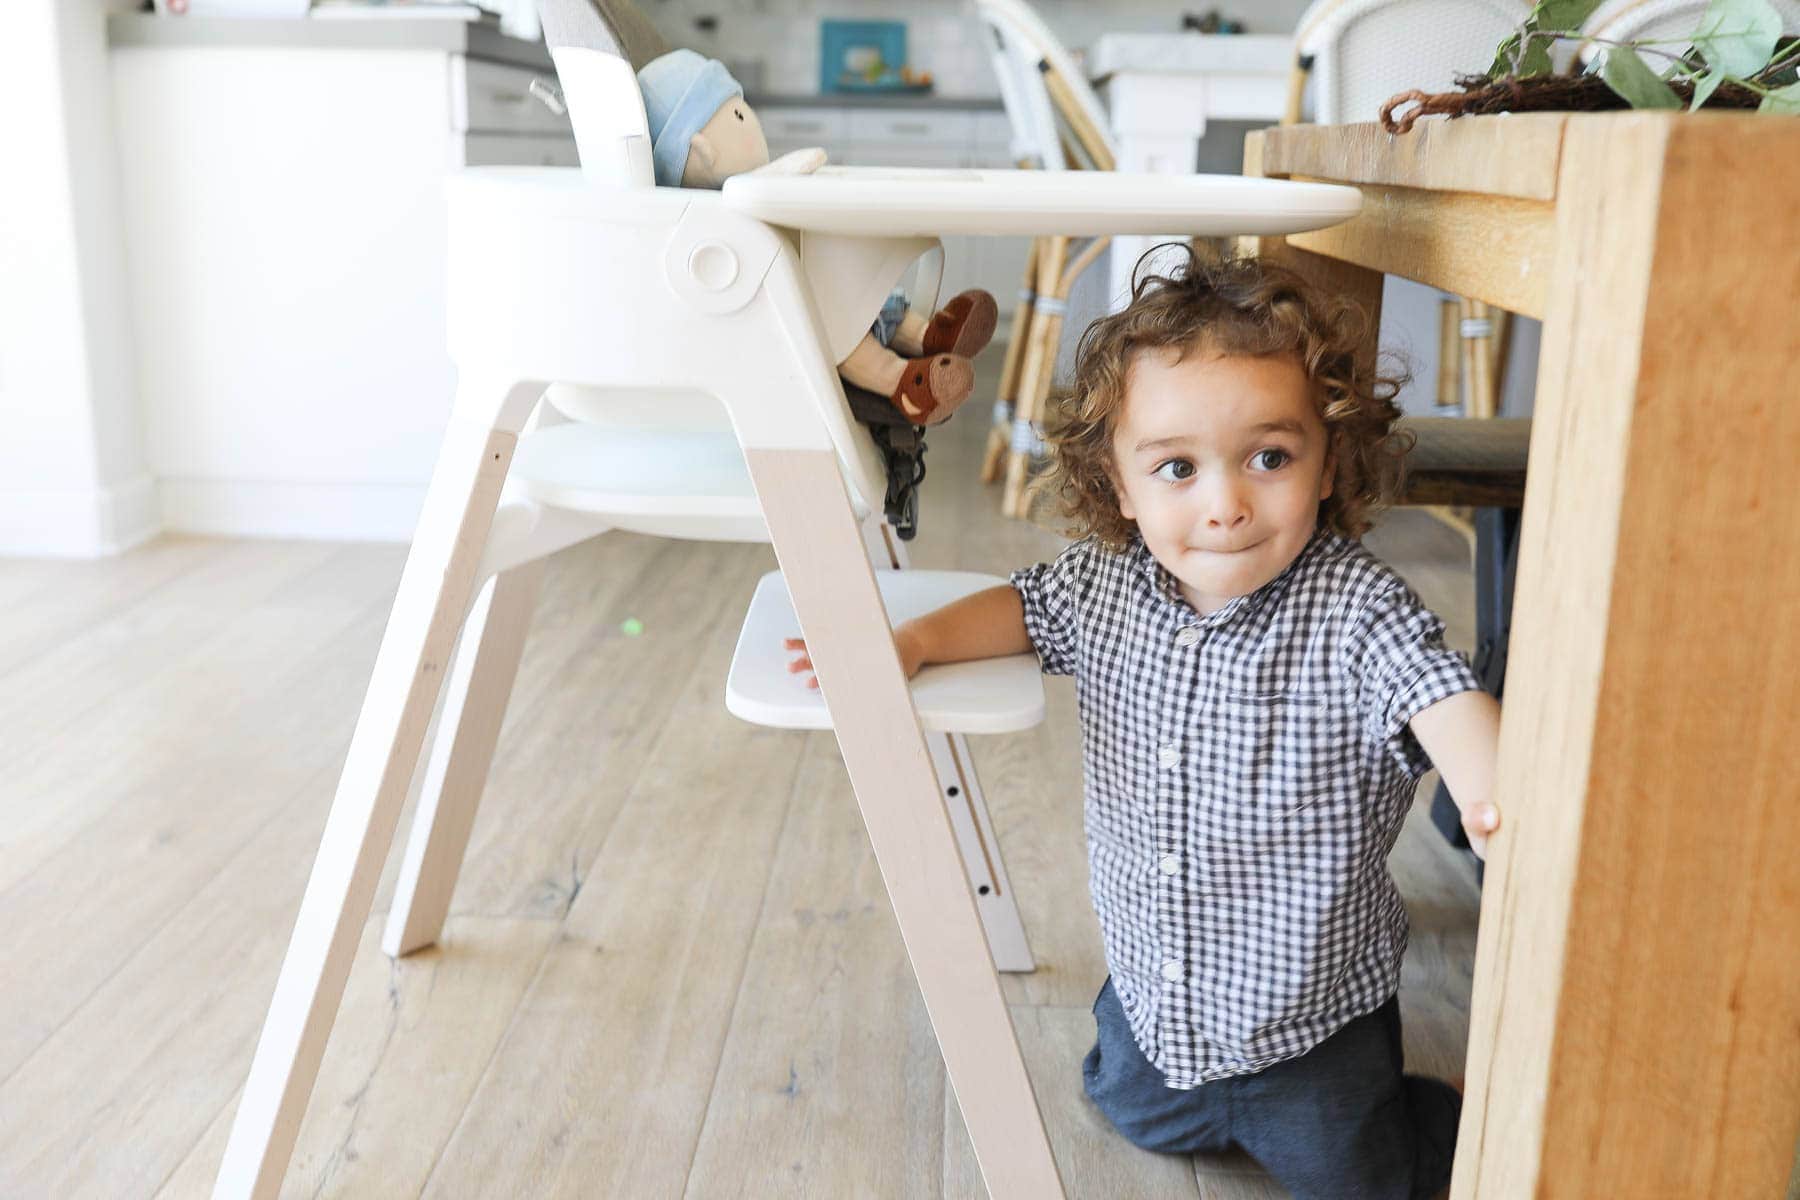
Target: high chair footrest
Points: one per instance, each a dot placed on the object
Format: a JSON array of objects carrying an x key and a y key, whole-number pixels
[{"x": 996, "y": 695}]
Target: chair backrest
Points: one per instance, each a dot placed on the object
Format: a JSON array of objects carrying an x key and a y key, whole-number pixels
[
  {"x": 1025, "y": 49},
  {"x": 1026, "y": 101},
  {"x": 1365, "y": 51},
  {"x": 1623, "y": 20}
]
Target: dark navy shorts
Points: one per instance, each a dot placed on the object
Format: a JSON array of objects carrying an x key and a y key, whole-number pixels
[{"x": 1340, "y": 1122}]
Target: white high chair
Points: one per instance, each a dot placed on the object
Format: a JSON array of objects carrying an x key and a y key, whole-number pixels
[{"x": 596, "y": 278}]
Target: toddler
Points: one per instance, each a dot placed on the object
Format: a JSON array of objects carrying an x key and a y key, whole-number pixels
[{"x": 1258, "y": 697}]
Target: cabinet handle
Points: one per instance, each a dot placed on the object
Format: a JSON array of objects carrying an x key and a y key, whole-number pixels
[
  {"x": 910, "y": 127},
  {"x": 805, "y": 126}
]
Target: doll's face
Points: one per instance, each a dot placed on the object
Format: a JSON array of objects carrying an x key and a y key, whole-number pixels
[{"x": 729, "y": 144}]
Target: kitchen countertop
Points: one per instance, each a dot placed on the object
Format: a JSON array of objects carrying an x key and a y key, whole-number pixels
[
  {"x": 911, "y": 101},
  {"x": 476, "y": 39},
  {"x": 1190, "y": 52}
]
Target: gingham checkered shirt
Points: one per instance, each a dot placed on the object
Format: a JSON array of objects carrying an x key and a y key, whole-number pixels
[{"x": 1247, "y": 776}]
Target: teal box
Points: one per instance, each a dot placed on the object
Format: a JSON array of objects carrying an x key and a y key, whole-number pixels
[{"x": 848, "y": 49}]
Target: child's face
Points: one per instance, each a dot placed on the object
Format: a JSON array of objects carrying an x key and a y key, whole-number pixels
[{"x": 1222, "y": 461}]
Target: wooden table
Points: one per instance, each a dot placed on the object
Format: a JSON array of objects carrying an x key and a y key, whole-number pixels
[{"x": 1636, "y": 1009}]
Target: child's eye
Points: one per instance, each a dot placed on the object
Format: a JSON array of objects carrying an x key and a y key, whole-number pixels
[
  {"x": 739, "y": 113},
  {"x": 1270, "y": 460},
  {"x": 1174, "y": 470}
]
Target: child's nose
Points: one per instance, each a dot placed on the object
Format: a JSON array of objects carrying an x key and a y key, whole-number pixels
[{"x": 1225, "y": 506}]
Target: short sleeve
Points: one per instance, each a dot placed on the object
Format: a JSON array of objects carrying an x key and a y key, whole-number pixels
[
  {"x": 1049, "y": 592},
  {"x": 1402, "y": 668}
]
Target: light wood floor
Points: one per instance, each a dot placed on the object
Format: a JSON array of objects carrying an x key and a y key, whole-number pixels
[{"x": 670, "y": 970}]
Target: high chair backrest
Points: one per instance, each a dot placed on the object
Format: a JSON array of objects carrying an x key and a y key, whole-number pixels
[
  {"x": 614, "y": 25},
  {"x": 1365, "y": 51},
  {"x": 628, "y": 276},
  {"x": 1025, "y": 47}
]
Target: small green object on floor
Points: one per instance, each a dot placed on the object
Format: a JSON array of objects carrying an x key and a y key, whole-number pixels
[{"x": 631, "y": 627}]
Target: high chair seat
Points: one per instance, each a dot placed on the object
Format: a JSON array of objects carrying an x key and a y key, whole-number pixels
[
  {"x": 996, "y": 695},
  {"x": 670, "y": 483}
]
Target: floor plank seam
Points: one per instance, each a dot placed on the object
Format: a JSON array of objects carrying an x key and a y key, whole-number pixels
[{"x": 743, "y": 973}]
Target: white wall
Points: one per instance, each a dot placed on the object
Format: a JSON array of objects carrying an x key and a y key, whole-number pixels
[{"x": 72, "y": 474}]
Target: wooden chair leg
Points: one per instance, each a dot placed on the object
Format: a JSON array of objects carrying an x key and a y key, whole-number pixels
[
  {"x": 847, "y": 634},
  {"x": 1449, "y": 381},
  {"x": 429, "y": 608},
  {"x": 1006, "y": 403},
  {"x": 1038, "y": 367},
  {"x": 456, "y": 771},
  {"x": 1478, "y": 358}
]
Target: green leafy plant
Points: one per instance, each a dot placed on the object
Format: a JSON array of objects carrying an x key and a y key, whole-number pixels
[{"x": 1737, "y": 44}]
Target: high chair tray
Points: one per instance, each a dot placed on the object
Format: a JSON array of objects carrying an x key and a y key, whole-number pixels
[
  {"x": 918, "y": 202},
  {"x": 995, "y": 695}
]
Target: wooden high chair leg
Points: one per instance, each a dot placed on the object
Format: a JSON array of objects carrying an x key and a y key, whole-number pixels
[
  {"x": 979, "y": 849},
  {"x": 1006, "y": 402},
  {"x": 966, "y": 803},
  {"x": 456, "y": 770},
  {"x": 429, "y": 608},
  {"x": 852, "y": 648}
]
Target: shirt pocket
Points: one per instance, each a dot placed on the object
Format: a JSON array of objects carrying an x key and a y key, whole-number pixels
[{"x": 1281, "y": 754}]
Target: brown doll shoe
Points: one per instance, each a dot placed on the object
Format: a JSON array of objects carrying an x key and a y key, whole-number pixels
[
  {"x": 964, "y": 325},
  {"x": 932, "y": 388}
]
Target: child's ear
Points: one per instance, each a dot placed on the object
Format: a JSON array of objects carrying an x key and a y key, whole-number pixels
[{"x": 1330, "y": 479}]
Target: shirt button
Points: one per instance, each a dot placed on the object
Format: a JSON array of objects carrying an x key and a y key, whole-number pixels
[
  {"x": 1169, "y": 755},
  {"x": 1172, "y": 971},
  {"x": 1169, "y": 864},
  {"x": 1188, "y": 637}
]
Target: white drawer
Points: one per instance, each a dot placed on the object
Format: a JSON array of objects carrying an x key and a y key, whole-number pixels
[
  {"x": 804, "y": 126},
  {"x": 919, "y": 127},
  {"x": 489, "y": 97},
  {"x": 518, "y": 150}
]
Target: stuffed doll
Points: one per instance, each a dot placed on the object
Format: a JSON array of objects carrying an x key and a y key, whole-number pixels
[{"x": 702, "y": 133}]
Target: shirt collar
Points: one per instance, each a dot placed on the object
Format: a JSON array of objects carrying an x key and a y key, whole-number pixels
[{"x": 1166, "y": 587}]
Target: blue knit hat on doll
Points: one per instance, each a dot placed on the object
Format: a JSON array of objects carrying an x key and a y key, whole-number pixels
[{"x": 682, "y": 90}]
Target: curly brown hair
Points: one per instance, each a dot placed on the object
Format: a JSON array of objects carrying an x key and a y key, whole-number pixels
[{"x": 1231, "y": 306}]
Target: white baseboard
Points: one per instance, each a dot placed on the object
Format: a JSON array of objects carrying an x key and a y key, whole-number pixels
[
  {"x": 338, "y": 512},
  {"x": 79, "y": 522}
]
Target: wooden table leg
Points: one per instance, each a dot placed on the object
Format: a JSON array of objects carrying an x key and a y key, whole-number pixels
[
  {"x": 1636, "y": 995},
  {"x": 847, "y": 635}
]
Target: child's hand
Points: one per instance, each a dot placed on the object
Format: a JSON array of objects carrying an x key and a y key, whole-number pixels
[
  {"x": 803, "y": 663},
  {"x": 1478, "y": 821},
  {"x": 912, "y": 657}
]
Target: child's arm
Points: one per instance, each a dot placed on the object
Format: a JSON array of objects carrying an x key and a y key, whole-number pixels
[
  {"x": 1461, "y": 734},
  {"x": 986, "y": 624}
]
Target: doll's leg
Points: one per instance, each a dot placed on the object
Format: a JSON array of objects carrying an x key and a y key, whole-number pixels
[
  {"x": 965, "y": 325},
  {"x": 926, "y": 390}
]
